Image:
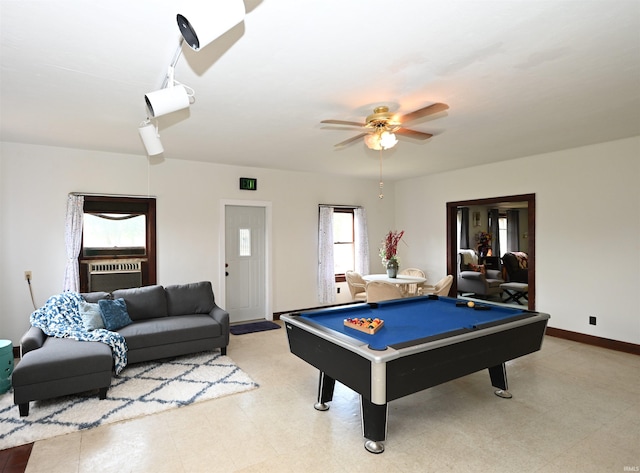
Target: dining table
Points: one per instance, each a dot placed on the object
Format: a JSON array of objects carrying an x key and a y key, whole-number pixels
[{"x": 403, "y": 282}]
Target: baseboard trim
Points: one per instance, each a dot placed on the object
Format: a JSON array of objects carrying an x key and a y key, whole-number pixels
[{"x": 593, "y": 340}]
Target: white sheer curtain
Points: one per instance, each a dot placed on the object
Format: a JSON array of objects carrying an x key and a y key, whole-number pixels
[
  {"x": 361, "y": 241},
  {"x": 73, "y": 239},
  {"x": 326, "y": 275}
]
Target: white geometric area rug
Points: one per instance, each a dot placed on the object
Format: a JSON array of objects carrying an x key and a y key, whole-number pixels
[{"x": 140, "y": 389}]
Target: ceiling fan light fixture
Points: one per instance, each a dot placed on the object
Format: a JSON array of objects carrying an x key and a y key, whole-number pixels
[
  {"x": 373, "y": 141},
  {"x": 201, "y": 23},
  {"x": 388, "y": 140}
]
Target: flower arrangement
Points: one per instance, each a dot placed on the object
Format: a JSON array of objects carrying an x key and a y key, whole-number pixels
[
  {"x": 389, "y": 249},
  {"x": 483, "y": 238}
]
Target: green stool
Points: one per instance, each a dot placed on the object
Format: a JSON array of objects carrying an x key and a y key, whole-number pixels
[{"x": 6, "y": 365}]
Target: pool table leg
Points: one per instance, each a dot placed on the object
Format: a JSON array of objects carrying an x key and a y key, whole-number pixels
[
  {"x": 498, "y": 376},
  {"x": 325, "y": 391},
  {"x": 374, "y": 425}
]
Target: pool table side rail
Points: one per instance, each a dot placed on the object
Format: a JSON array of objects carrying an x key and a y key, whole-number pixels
[
  {"x": 425, "y": 369},
  {"x": 404, "y": 349},
  {"x": 340, "y": 363}
]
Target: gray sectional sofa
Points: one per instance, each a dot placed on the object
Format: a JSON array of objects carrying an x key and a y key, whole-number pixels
[{"x": 166, "y": 322}]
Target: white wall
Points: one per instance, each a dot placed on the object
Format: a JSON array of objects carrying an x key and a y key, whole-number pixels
[
  {"x": 35, "y": 181},
  {"x": 587, "y": 229},
  {"x": 587, "y": 221}
]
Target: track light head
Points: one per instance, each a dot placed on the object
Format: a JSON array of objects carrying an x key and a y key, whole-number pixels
[
  {"x": 201, "y": 23},
  {"x": 167, "y": 100},
  {"x": 150, "y": 138}
]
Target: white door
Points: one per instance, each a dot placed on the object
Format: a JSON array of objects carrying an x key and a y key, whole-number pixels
[{"x": 245, "y": 238}]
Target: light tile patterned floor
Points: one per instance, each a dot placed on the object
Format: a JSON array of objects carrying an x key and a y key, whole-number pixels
[{"x": 575, "y": 408}]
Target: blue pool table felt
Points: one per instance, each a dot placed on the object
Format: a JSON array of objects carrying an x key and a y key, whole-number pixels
[{"x": 409, "y": 319}]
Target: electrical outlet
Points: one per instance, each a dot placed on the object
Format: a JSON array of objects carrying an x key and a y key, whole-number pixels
[
  {"x": 338, "y": 290},
  {"x": 592, "y": 320},
  {"x": 27, "y": 275}
]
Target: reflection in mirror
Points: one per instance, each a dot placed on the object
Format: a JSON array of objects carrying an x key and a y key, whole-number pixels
[{"x": 491, "y": 254}]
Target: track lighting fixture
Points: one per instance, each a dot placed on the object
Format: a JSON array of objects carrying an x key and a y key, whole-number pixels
[
  {"x": 172, "y": 97},
  {"x": 150, "y": 138},
  {"x": 200, "y": 22}
]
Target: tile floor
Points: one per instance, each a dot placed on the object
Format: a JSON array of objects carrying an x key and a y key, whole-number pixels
[{"x": 576, "y": 408}]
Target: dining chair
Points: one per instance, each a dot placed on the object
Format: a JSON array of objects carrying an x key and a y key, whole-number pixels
[
  {"x": 441, "y": 288},
  {"x": 357, "y": 285},
  {"x": 413, "y": 289},
  {"x": 382, "y": 291}
]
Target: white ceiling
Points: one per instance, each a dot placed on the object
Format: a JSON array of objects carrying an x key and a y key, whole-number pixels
[{"x": 521, "y": 77}]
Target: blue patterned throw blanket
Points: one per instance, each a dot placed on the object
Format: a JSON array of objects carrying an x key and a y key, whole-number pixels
[{"x": 60, "y": 317}]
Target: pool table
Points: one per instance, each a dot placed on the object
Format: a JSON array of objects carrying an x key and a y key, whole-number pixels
[{"x": 424, "y": 341}]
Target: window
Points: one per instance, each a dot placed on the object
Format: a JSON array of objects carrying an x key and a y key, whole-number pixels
[
  {"x": 121, "y": 229},
  {"x": 502, "y": 234},
  {"x": 111, "y": 234},
  {"x": 244, "y": 239},
  {"x": 343, "y": 242}
]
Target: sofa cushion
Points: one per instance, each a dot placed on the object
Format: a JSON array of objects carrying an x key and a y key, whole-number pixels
[
  {"x": 94, "y": 297},
  {"x": 114, "y": 314},
  {"x": 168, "y": 330},
  {"x": 148, "y": 302},
  {"x": 194, "y": 298},
  {"x": 61, "y": 358},
  {"x": 91, "y": 315}
]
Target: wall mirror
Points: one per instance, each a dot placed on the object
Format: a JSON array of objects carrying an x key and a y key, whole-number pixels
[{"x": 479, "y": 222}]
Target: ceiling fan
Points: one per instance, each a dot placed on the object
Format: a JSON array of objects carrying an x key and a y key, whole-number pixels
[{"x": 381, "y": 126}]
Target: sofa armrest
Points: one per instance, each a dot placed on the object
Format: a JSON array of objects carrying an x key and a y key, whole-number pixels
[
  {"x": 472, "y": 275},
  {"x": 32, "y": 340},
  {"x": 494, "y": 274},
  {"x": 222, "y": 317}
]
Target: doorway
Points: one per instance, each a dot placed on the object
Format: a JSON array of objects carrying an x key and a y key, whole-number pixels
[
  {"x": 452, "y": 237},
  {"x": 246, "y": 258}
]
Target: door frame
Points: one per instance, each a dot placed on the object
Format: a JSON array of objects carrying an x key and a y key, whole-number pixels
[
  {"x": 267, "y": 250},
  {"x": 452, "y": 237}
]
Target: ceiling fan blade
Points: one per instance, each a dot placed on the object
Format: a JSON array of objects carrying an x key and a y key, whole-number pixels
[
  {"x": 350, "y": 140},
  {"x": 413, "y": 133},
  {"x": 423, "y": 112},
  {"x": 342, "y": 122}
]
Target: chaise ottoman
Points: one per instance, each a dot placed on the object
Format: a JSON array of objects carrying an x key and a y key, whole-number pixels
[{"x": 66, "y": 367}]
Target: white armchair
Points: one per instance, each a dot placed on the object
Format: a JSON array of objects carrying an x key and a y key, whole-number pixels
[
  {"x": 413, "y": 289},
  {"x": 357, "y": 286},
  {"x": 475, "y": 279},
  {"x": 382, "y": 291},
  {"x": 441, "y": 288}
]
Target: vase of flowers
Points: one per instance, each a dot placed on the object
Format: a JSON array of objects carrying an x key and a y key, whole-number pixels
[
  {"x": 484, "y": 244},
  {"x": 389, "y": 252},
  {"x": 392, "y": 268}
]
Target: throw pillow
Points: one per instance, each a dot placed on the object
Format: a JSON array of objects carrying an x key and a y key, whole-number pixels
[
  {"x": 91, "y": 315},
  {"x": 114, "y": 314}
]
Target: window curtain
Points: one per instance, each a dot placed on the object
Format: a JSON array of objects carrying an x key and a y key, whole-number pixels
[
  {"x": 326, "y": 275},
  {"x": 464, "y": 229},
  {"x": 513, "y": 230},
  {"x": 494, "y": 229},
  {"x": 73, "y": 239},
  {"x": 361, "y": 241}
]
